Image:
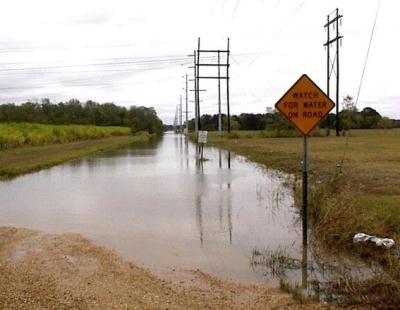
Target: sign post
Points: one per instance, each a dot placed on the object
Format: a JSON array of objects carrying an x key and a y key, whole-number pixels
[
  {"x": 305, "y": 105},
  {"x": 305, "y": 190}
]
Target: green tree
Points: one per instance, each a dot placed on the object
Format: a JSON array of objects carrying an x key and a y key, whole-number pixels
[
  {"x": 348, "y": 117},
  {"x": 145, "y": 119},
  {"x": 385, "y": 123},
  {"x": 369, "y": 118}
]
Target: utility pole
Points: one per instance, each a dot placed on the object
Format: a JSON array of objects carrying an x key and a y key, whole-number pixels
[
  {"x": 186, "y": 99},
  {"x": 219, "y": 95},
  {"x": 337, "y": 71},
  {"x": 197, "y": 84},
  {"x": 337, "y": 38},
  {"x": 196, "y": 116},
  {"x": 219, "y": 77},
  {"x": 328, "y": 66},
  {"x": 196, "y": 91},
  {"x": 180, "y": 114},
  {"x": 227, "y": 88}
]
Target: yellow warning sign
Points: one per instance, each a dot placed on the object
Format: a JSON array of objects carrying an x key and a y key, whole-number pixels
[{"x": 305, "y": 105}]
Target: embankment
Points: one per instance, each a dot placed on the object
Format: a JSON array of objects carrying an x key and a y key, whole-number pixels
[{"x": 25, "y": 159}]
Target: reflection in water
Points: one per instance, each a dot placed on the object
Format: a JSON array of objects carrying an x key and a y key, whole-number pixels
[
  {"x": 199, "y": 164},
  {"x": 229, "y": 216},
  {"x": 304, "y": 267},
  {"x": 202, "y": 191},
  {"x": 181, "y": 137},
  {"x": 328, "y": 278},
  {"x": 187, "y": 152},
  {"x": 199, "y": 218},
  {"x": 152, "y": 204},
  {"x": 220, "y": 208}
]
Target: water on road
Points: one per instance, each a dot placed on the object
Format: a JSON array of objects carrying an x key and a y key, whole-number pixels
[{"x": 159, "y": 207}]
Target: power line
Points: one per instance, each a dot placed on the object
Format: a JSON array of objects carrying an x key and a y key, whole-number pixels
[
  {"x": 369, "y": 47},
  {"x": 56, "y": 47},
  {"x": 361, "y": 80},
  {"x": 78, "y": 83},
  {"x": 173, "y": 60},
  {"x": 277, "y": 34},
  {"x": 235, "y": 8},
  {"x": 159, "y": 61}
]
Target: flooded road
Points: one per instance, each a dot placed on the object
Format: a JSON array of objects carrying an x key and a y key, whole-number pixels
[{"x": 158, "y": 207}]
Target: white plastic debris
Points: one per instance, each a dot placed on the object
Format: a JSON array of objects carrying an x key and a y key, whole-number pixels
[{"x": 382, "y": 242}]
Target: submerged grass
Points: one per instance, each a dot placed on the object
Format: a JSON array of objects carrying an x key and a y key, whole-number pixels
[
  {"x": 14, "y": 135},
  {"x": 277, "y": 262}
]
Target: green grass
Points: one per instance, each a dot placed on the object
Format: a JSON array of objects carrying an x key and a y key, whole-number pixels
[
  {"x": 21, "y": 160},
  {"x": 355, "y": 182},
  {"x": 270, "y": 133},
  {"x": 371, "y": 156},
  {"x": 14, "y": 135}
]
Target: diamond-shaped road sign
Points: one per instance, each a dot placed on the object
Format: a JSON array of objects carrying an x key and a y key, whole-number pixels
[{"x": 305, "y": 105}]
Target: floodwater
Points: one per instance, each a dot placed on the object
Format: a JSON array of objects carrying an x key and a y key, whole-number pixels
[{"x": 161, "y": 208}]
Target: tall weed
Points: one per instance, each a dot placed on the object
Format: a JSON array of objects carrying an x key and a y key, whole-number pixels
[{"x": 14, "y": 135}]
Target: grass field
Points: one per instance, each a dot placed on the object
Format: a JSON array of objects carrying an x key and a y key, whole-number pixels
[
  {"x": 27, "y": 147},
  {"x": 22, "y": 134},
  {"x": 14, "y": 162},
  {"x": 355, "y": 182}
]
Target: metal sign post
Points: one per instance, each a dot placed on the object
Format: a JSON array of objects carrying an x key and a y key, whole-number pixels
[
  {"x": 305, "y": 191},
  {"x": 305, "y": 105}
]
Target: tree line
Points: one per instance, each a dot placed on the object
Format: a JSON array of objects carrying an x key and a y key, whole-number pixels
[
  {"x": 138, "y": 118},
  {"x": 368, "y": 118},
  {"x": 244, "y": 121},
  {"x": 349, "y": 118}
]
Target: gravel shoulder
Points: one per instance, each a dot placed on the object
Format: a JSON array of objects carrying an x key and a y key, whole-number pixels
[{"x": 67, "y": 271}]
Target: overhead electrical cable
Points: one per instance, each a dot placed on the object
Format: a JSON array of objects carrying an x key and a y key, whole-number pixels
[
  {"x": 362, "y": 77},
  {"x": 368, "y": 50}
]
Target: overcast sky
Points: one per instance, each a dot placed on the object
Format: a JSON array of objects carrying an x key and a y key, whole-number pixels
[{"x": 135, "y": 52}]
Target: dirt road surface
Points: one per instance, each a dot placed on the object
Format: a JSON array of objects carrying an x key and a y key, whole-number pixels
[{"x": 44, "y": 271}]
